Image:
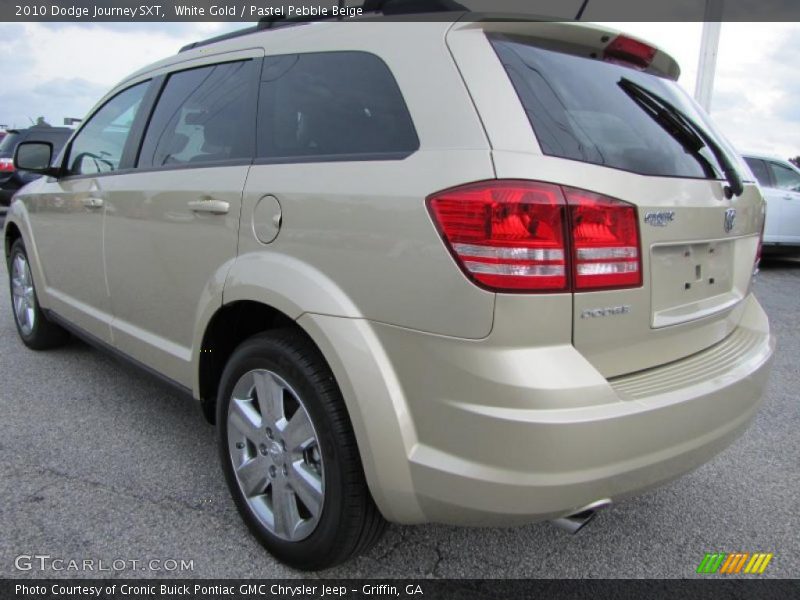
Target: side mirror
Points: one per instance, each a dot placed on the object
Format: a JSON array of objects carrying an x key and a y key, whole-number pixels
[{"x": 34, "y": 157}]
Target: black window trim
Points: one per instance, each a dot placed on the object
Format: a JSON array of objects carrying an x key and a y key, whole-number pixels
[
  {"x": 332, "y": 158},
  {"x": 126, "y": 166}
]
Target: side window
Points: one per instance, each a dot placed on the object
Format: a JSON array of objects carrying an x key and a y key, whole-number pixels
[
  {"x": 785, "y": 178},
  {"x": 332, "y": 104},
  {"x": 204, "y": 115},
  {"x": 759, "y": 169},
  {"x": 98, "y": 146}
]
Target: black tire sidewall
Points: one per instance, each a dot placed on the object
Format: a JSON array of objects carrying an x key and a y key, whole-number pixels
[
  {"x": 18, "y": 248},
  {"x": 268, "y": 353}
]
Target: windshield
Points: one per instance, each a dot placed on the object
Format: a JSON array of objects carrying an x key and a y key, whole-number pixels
[
  {"x": 8, "y": 143},
  {"x": 579, "y": 111}
]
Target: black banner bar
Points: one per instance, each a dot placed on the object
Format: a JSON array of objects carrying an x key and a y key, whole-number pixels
[
  {"x": 252, "y": 10},
  {"x": 427, "y": 589}
]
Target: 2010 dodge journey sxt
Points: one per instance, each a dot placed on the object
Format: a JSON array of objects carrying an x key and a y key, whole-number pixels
[{"x": 465, "y": 271}]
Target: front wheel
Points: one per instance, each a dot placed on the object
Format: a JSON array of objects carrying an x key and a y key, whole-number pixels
[
  {"x": 35, "y": 330},
  {"x": 289, "y": 453}
]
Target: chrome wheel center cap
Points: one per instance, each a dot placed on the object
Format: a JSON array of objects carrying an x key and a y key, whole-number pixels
[{"x": 276, "y": 452}]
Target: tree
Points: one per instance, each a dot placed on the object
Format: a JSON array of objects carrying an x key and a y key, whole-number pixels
[{"x": 795, "y": 161}]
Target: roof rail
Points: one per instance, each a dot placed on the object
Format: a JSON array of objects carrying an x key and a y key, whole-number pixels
[{"x": 376, "y": 7}]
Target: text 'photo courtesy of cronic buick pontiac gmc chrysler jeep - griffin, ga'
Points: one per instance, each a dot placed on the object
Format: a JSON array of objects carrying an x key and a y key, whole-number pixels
[{"x": 455, "y": 270}]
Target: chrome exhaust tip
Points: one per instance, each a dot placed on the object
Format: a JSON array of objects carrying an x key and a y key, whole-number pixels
[{"x": 578, "y": 520}]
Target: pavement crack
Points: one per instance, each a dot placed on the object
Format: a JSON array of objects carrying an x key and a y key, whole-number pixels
[
  {"x": 167, "y": 501},
  {"x": 434, "y": 571}
]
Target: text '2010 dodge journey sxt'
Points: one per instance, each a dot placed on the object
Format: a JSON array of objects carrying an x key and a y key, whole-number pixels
[{"x": 465, "y": 271}]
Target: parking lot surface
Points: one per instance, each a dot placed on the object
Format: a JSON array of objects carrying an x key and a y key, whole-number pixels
[{"x": 100, "y": 461}]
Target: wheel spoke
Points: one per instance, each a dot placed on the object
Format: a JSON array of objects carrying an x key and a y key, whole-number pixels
[
  {"x": 284, "y": 509},
  {"x": 299, "y": 434},
  {"x": 254, "y": 476},
  {"x": 269, "y": 394},
  {"x": 244, "y": 418},
  {"x": 307, "y": 485},
  {"x": 16, "y": 286},
  {"x": 19, "y": 267}
]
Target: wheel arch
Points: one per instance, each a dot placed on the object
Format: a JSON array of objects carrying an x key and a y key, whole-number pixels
[
  {"x": 228, "y": 327},
  {"x": 384, "y": 456},
  {"x": 12, "y": 234}
]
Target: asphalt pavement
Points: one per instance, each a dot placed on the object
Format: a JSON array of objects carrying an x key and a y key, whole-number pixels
[{"x": 101, "y": 462}]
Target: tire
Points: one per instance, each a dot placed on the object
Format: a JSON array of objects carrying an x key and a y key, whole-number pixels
[
  {"x": 34, "y": 328},
  {"x": 290, "y": 456}
]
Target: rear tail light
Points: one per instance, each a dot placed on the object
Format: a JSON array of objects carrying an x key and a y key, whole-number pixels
[
  {"x": 527, "y": 236},
  {"x": 629, "y": 51},
  {"x": 605, "y": 241},
  {"x": 6, "y": 165},
  {"x": 506, "y": 235}
]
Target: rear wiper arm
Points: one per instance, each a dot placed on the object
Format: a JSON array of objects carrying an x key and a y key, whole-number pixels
[{"x": 685, "y": 131}]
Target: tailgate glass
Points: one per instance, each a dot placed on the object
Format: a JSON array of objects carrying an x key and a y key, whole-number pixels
[{"x": 578, "y": 111}]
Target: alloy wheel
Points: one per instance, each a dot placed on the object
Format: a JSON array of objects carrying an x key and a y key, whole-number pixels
[
  {"x": 276, "y": 455},
  {"x": 22, "y": 294}
]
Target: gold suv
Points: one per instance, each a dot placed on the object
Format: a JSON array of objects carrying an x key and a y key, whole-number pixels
[{"x": 465, "y": 271}]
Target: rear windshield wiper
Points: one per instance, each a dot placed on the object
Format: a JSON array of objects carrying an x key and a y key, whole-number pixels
[{"x": 685, "y": 131}]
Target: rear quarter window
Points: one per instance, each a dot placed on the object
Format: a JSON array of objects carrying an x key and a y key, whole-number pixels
[{"x": 332, "y": 106}]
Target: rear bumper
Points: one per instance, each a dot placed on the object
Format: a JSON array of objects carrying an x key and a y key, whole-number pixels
[{"x": 497, "y": 435}]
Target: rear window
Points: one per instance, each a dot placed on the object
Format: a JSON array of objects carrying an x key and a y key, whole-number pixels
[
  {"x": 8, "y": 143},
  {"x": 578, "y": 111}
]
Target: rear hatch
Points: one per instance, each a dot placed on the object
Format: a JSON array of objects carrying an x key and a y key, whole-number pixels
[{"x": 601, "y": 112}]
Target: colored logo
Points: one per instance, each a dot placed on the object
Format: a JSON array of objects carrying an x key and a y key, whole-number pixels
[{"x": 735, "y": 562}]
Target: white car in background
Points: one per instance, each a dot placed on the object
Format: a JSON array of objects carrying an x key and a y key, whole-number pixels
[{"x": 780, "y": 183}]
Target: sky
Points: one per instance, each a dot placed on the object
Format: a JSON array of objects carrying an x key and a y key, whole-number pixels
[{"x": 59, "y": 70}]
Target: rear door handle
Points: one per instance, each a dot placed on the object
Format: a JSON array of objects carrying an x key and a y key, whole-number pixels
[
  {"x": 93, "y": 202},
  {"x": 215, "y": 207}
]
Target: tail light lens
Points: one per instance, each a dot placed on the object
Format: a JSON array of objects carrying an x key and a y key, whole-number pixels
[
  {"x": 528, "y": 236},
  {"x": 605, "y": 241},
  {"x": 6, "y": 165},
  {"x": 506, "y": 235},
  {"x": 629, "y": 51}
]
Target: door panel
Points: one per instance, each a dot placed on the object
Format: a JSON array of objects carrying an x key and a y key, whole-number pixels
[
  {"x": 68, "y": 216},
  {"x": 165, "y": 259},
  {"x": 775, "y": 206},
  {"x": 791, "y": 216},
  {"x": 69, "y": 239},
  {"x": 172, "y": 225},
  {"x": 787, "y": 194}
]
